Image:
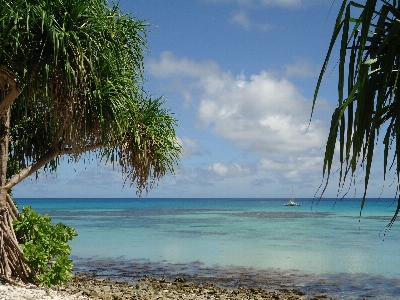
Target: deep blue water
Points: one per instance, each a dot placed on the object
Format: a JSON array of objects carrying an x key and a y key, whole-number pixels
[{"x": 355, "y": 255}]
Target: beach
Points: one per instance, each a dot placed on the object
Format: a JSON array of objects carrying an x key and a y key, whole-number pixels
[
  {"x": 123, "y": 280},
  {"x": 84, "y": 287},
  {"x": 30, "y": 292}
]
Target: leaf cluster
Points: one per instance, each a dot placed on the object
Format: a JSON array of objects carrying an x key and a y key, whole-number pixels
[
  {"x": 45, "y": 247},
  {"x": 368, "y": 101},
  {"x": 80, "y": 67}
]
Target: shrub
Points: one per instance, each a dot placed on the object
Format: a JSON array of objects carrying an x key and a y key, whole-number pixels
[{"x": 45, "y": 247}]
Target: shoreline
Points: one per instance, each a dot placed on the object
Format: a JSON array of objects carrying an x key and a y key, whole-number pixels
[
  {"x": 125, "y": 280},
  {"x": 120, "y": 279},
  {"x": 180, "y": 288},
  {"x": 83, "y": 287},
  {"x": 337, "y": 286}
]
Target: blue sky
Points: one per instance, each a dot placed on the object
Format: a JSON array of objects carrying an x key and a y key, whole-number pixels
[{"x": 240, "y": 77}]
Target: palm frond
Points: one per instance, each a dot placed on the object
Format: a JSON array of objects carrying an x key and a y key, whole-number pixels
[
  {"x": 79, "y": 65},
  {"x": 369, "y": 55}
]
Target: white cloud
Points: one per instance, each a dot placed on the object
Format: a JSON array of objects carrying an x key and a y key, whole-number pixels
[
  {"x": 219, "y": 169},
  {"x": 263, "y": 114},
  {"x": 313, "y": 161},
  {"x": 171, "y": 65},
  {"x": 294, "y": 176},
  {"x": 288, "y": 3},
  {"x": 266, "y": 115},
  {"x": 242, "y": 19},
  {"x": 302, "y": 69},
  {"x": 190, "y": 146},
  {"x": 231, "y": 170}
]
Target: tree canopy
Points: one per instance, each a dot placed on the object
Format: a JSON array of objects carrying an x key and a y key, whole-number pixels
[
  {"x": 71, "y": 82},
  {"x": 79, "y": 68},
  {"x": 368, "y": 108}
]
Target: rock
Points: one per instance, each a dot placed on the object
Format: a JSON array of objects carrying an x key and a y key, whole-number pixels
[
  {"x": 106, "y": 297},
  {"x": 94, "y": 294},
  {"x": 148, "y": 288},
  {"x": 106, "y": 288},
  {"x": 85, "y": 292},
  {"x": 180, "y": 279}
]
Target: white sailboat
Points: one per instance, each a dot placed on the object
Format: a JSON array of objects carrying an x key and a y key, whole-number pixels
[{"x": 291, "y": 201}]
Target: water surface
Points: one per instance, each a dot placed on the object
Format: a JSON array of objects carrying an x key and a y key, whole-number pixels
[{"x": 328, "y": 241}]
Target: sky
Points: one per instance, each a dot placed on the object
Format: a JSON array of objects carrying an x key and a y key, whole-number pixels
[{"x": 240, "y": 76}]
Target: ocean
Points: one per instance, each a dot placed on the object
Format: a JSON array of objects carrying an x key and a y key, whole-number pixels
[{"x": 323, "y": 247}]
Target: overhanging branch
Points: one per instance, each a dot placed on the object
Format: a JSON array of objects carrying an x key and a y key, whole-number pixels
[
  {"x": 52, "y": 153},
  {"x": 83, "y": 149}
]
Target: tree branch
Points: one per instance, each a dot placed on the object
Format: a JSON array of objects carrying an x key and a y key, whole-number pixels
[
  {"x": 12, "y": 208},
  {"x": 52, "y": 153},
  {"x": 84, "y": 149}
]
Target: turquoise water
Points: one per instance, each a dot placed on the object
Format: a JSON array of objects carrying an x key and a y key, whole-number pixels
[{"x": 324, "y": 239}]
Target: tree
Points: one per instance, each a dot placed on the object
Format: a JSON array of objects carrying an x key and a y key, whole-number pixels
[
  {"x": 368, "y": 102},
  {"x": 71, "y": 73}
]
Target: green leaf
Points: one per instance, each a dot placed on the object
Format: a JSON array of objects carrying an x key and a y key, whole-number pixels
[{"x": 47, "y": 251}]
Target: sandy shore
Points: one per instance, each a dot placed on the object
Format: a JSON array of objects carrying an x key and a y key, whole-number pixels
[
  {"x": 31, "y": 292},
  {"x": 146, "y": 288}
]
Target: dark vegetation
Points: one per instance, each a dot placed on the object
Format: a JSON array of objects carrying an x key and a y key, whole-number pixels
[{"x": 71, "y": 77}]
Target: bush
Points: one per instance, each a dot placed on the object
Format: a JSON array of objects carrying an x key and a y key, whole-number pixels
[{"x": 45, "y": 247}]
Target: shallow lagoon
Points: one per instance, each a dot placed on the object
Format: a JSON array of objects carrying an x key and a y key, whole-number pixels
[{"x": 323, "y": 245}]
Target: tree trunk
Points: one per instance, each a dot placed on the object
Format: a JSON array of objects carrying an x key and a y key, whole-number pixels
[
  {"x": 12, "y": 262},
  {"x": 4, "y": 131}
]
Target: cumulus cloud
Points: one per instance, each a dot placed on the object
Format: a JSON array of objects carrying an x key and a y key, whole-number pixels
[
  {"x": 219, "y": 169},
  {"x": 263, "y": 114}
]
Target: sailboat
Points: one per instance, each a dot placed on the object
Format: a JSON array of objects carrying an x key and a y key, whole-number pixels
[{"x": 291, "y": 201}]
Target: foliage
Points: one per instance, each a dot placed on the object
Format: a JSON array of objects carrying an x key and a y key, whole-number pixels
[
  {"x": 45, "y": 247},
  {"x": 79, "y": 65},
  {"x": 368, "y": 102},
  {"x": 71, "y": 77}
]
